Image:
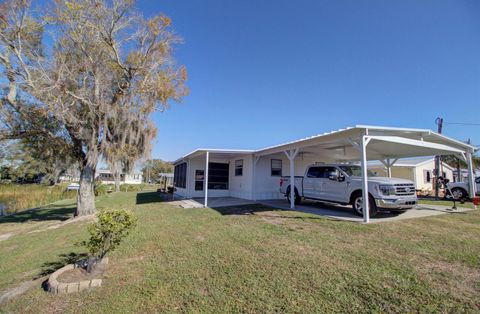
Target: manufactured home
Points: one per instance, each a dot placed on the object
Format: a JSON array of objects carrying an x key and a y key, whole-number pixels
[
  {"x": 419, "y": 170},
  {"x": 256, "y": 174},
  {"x": 106, "y": 177}
]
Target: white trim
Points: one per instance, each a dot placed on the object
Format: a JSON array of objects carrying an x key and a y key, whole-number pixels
[{"x": 205, "y": 178}]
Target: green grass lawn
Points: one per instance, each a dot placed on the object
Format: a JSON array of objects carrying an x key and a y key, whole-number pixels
[
  {"x": 253, "y": 259},
  {"x": 445, "y": 203}
]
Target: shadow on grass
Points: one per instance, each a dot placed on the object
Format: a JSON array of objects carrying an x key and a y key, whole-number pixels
[
  {"x": 63, "y": 260},
  {"x": 148, "y": 197},
  {"x": 252, "y": 209},
  {"x": 52, "y": 212}
]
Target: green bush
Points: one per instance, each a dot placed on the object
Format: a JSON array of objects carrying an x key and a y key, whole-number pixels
[
  {"x": 107, "y": 233},
  {"x": 102, "y": 189}
]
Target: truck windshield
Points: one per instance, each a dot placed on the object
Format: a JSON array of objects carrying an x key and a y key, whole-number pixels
[{"x": 356, "y": 171}]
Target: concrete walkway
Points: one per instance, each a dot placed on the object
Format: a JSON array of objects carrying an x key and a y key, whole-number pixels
[{"x": 341, "y": 212}]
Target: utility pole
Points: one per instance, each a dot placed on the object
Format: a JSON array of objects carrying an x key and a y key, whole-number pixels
[{"x": 439, "y": 122}]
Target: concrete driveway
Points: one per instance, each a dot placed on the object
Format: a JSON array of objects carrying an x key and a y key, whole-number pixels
[{"x": 341, "y": 212}]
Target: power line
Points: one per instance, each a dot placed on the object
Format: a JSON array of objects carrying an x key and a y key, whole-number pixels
[{"x": 462, "y": 123}]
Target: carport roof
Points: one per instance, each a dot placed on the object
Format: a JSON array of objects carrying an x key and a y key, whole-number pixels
[{"x": 340, "y": 144}]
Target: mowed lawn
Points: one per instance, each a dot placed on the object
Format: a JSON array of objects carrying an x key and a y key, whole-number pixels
[{"x": 252, "y": 259}]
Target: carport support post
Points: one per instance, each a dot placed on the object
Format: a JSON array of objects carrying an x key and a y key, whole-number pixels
[
  {"x": 205, "y": 187},
  {"x": 291, "y": 154},
  {"x": 365, "y": 205},
  {"x": 471, "y": 178}
]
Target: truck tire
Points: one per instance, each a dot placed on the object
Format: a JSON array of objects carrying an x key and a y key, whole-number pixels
[
  {"x": 459, "y": 194},
  {"x": 357, "y": 203},
  {"x": 298, "y": 199}
]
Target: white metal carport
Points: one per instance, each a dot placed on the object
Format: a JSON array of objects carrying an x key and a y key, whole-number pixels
[{"x": 363, "y": 143}]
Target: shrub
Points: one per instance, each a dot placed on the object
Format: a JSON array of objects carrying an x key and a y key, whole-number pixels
[
  {"x": 103, "y": 189},
  {"x": 107, "y": 233}
]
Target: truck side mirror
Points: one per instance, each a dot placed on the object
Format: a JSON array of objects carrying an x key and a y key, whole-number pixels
[{"x": 341, "y": 178}]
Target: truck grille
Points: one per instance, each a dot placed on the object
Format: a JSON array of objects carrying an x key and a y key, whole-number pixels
[{"x": 404, "y": 189}]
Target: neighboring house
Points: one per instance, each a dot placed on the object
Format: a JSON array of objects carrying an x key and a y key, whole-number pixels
[
  {"x": 165, "y": 178},
  {"x": 464, "y": 174},
  {"x": 255, "y": 174},
  {"x": 106, "y": 177},
  {"x": 419, "y": 170}
]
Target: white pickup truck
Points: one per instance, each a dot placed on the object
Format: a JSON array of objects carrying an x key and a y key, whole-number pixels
[
  {"x": 341, "y": 183},
  {"x": 459, "y": 190}
]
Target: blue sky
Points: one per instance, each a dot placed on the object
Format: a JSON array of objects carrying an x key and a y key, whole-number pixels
[{"x": 265, "y": 72}]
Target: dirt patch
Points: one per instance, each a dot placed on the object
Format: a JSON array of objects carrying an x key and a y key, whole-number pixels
[
  {"x": 20, "y": 289},
  {"x": 5, "y": 236},
  {"x": 66, "y": 222},
  {"x": 80, "y": 274}
]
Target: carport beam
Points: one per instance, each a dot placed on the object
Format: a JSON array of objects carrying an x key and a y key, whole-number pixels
[
  {"x": 291, "y": 154},
  {"x": 205, "y": 176},
  {"x": 471, "y": 177},
  {"x": 365, "y": 205},
  {"x": 388, "y": 163}
]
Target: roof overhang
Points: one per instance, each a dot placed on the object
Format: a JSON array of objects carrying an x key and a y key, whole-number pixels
[
  {"x": 382, "y": 147},
  {"x": 214, "y": 151},
  {"x": 387, "y": 142}
]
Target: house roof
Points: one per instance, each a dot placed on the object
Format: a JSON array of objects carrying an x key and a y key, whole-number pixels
[{"x": 338, "y": 144}]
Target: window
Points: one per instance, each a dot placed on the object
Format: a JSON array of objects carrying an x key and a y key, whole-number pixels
[
  {"x": 217, "y": 176},
  {"x": 199, "y": 178},
  {"x": 180, "y": 176},
  {"x": 239, "y": 167},
  {"x": 477, "y": 180},
  {"x": 427, "y": 176},
  {"x": 314, "y": 172},
  {"x": 327, "y": 171},
  {"x": 276, "y": 168}
]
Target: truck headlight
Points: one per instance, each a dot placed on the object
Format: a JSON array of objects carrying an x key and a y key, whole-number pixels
[{"x": 387, "y": 189}]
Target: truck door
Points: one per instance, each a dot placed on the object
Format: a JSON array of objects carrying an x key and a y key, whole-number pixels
[
  {"x": 311, "y": 184},
  {"x": 334, "y": 187}
]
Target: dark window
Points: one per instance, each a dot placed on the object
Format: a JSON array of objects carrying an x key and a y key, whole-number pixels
[
  {"x": 327, "y": 171},
  {"x": 180, "y": 176},
  {"x": 276, "y": 168},
  {"x": 239, "y": 167},
  {"x": 199, "y": 178},
  {"x": 314, "y": 172},
  {"x": 427, "y": 176},
  {"x": 477, "y": 180},
  {"x": 217, "y": 176}
]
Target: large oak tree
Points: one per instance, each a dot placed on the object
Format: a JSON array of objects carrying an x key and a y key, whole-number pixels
[{"x": 97, "y": 68}]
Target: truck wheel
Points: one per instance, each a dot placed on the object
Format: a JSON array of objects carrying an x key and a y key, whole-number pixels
[
  {"x": 459, "y": 194},
  {"x": 357, "y": 204},
  {"x": 297, "y": 200}
]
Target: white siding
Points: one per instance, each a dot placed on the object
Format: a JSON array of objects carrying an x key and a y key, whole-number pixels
[
  {"x": 268, "y": 186},
  {"x": 241, "y": 186},
  {"x": 415, "y": 173}
]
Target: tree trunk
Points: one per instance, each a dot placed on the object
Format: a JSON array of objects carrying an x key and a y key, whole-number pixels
[
  {"x": 86, "y": 193},
  {"x": 117, "y": 182}
]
